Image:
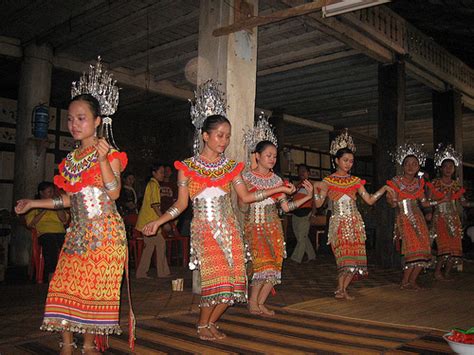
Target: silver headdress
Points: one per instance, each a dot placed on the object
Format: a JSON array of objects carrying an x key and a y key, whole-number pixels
[
  {"x": 344, "y": 140},
  {"x": 100, "y": 84},
  {"x": 447, "y": 153},
  {"x": 407, "y": 149},
  {"x": 261, "y": 131},
  {"x": 208, "y": 101}
]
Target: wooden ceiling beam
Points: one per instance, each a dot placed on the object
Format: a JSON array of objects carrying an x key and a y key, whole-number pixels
[
  {"x": 303, "y": 53},
  {"x": 162, "y": 47},
  {"x": 276, "y": 16},
  {"x": 308, "y": 62},
  {"x": 128, "y": 78}
]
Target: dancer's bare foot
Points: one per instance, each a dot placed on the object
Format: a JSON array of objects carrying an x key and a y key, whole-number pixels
[
  {"x": 204, "y": 332},
  {"x": 339, "y": 294},
  {"x": 405, "y": 286},
  {"x": 348, "y": 297},
  {"x": 253, "y": 307},
  {"x": 214, "y": 328},
  {"x": 265, "y": 311}
]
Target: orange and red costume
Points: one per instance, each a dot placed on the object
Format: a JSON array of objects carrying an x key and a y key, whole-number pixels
[
  {"x": 410, "y": 226},
  {"x": 84, "y": 293},
  {"x": 346, "y": 228},
  {"x": 217, "y": 247},
  {"x": 263, "y": 230},
  {"x": 446, "y": 225}
]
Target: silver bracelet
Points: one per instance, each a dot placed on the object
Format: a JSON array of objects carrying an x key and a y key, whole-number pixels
[
  {"x": 58, "y": 203},
  {"x": 116, "y": 173},
  {"x": 292, "y": 206},
  {"x": 173, "y": 211},
  {"x": 433, "y": 203},
  {"x": 423, "y": 200},
  {"x": 377, "y": 195},
  {"x": 183, "y": 183},
  {"x": 317, "y": 197},
  {"x": 112, "y": 185},
  {"x": 283, "y": 200},
  {"x": 363, "y": 193},
  {"x": 260, "y": 195},
  {"x": 237, "y": 181}
]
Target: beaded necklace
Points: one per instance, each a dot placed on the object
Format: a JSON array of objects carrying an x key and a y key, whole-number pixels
[{"x": 260, "y": 181}]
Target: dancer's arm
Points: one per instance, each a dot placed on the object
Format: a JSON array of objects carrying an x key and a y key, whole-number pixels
[
  {"x": 248, "y": 197},
  {"x": 174, "y": 211},
  {"x": 289, "y": 206},
  {"x": 321, "y": 192}
]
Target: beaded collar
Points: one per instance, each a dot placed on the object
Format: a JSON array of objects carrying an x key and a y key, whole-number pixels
[
  {"x": 210, "y": 173},
  {"x": 77, "y": 162},
  {"x": 262, "y": 182},
  {"x": 337, "y": 182}
]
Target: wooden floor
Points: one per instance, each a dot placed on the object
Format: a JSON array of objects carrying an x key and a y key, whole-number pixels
[
  {"x": 289, "y": 332},
  {"x": 440, "y": 308}
]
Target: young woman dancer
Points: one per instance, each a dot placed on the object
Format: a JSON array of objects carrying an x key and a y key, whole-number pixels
[
  {"x": 346, "y": 233},
  {"x": 263, "y": 229},
  {"x": 446, "y": 224},
  {"x": 410, "y": 225}
]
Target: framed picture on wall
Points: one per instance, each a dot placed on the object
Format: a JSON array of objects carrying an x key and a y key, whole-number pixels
[
  {"x": 325, "y": 161},
  {"x": 312, "y": 159}
]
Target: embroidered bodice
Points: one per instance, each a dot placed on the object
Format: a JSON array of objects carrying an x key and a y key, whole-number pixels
[
  {"x": 439, "y": 189},
  {"x": 206, "y": 178},
  {"x": 407, "y": 190},
  {"x": 80, "y": 175},
  {"x": 341, "y": 188}
]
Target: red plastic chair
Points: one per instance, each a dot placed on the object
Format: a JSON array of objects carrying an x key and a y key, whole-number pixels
[
  {"x": 174, "y": 238},
  {"x": 37, "y": 258}
]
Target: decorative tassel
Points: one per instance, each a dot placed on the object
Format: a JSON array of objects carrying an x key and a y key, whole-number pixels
[
  {"x": 102, "y": 342},
  {"x": 107, "y": 132},
  {"x": 273, "y": 291}
]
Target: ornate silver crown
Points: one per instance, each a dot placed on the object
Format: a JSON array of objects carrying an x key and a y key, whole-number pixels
[
  {"x": 100, "y": 84},
  {"x": 261, "y": 131},
  {"x": 208, "y": 101},
  {"x": 407, "y": 149},
  {"x": 344, "y": 140},
  {"x": 447, "y": 153}
]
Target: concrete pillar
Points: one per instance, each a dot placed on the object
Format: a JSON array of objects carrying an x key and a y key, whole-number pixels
[
  {"x": 232, "y": 61},
  {"x": 447, "y": 121},
  {"x": 391, "y": 133},
  {"x": 34, "y": 89}
]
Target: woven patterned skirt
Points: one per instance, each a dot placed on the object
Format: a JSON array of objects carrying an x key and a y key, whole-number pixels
[
  {"x": 84, "y": 293},
  {"x": 347, "y": 239},
  {"x": 267, "y": 246},
  {"x": 412, "y": 230},
  {"x": 448, "y": 230},
  {"x": 221, "y": 282}
]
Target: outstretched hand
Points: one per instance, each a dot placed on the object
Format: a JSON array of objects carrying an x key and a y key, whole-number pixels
[{"x": 23, "y": 206}]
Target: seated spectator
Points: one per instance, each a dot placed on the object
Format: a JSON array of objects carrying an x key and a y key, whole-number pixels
[{"x": 49, "y": 225}]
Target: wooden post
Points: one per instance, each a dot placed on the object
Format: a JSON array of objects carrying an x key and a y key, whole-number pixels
[
  {"x": 232, "y": 61},
  {"x": 447, "y": 121},
  {"x": 390, "y": 134}
]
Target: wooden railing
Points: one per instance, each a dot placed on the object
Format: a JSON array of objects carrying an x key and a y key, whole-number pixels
[{"x": 393, "y": 31}]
